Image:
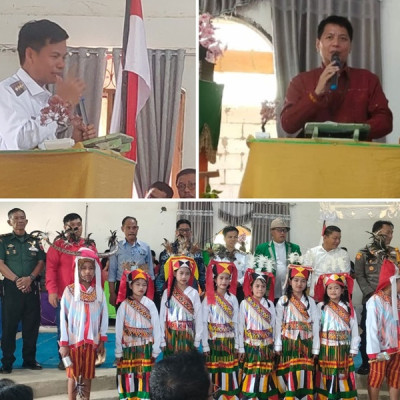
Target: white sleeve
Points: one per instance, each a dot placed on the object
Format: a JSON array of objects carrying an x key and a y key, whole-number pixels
[
  {"x": 235, "y": 321},
  {"x": 204, "y": 339},
  {"x": 242, "y": 323},
  {"x": 163, "y": 317},
  {"x": 347, "y": 261},
  {"x": 104, "y": 318},
  {"x": 273, "y": 316},
  {"x": 119, "y": 328},
  {"x": 373, "y": 345},
  {"x": 155, "y": 322},
  {"x": 64, "y": 317},
  {"x": 279, "y": 310},
  {"x": 19, "y": 131},
  {"x": 355, "y": 337},
  {"x": 198, "y": 318},
  {"x": 315, "y": 319}
]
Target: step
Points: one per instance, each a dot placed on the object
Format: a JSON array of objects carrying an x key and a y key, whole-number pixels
[
  {"x": 53, "y": 382},
  {"x": 100, "y": 395}
]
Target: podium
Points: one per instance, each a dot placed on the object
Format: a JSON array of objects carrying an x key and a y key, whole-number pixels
[
  {"x": 306, "y": 168},
  {"x": 72, "y": 173}
]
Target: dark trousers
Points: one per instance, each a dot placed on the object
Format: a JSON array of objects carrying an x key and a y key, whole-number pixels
[
  {"x": 17, "y": 306},
  {"x": 363, "y": 343}
]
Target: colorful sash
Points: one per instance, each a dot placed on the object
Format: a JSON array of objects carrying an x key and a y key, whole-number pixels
[
  {"x": 340, "y": 312},
  {"x": 183, "y": 300},
  {"x": 224, "y": 304},
  {"x": 140, "y": 308},
  {"x": 300, "y": 307},
  {"x": 259, "y": 309}
]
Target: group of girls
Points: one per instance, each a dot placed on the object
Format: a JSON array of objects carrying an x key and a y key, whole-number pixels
[{"x": 294, "y": 350}]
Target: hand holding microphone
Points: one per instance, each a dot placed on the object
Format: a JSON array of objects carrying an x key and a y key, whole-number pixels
[
  {"x": 330, "y": 76},
  {"x": 333, "y": 82}
]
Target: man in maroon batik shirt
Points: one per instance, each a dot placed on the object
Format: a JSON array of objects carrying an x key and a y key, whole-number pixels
[{"x": 358, "y": 98}]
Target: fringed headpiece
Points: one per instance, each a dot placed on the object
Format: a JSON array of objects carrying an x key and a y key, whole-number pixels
[
  {"x": 89, "y": 254},
  {"x": 128, "y": 277},
  {"x": 260, "y": 267},
  {"x": 216, "y": 267},
  {"x": 176, "y": 262},
  {"x": 342, "y": 279},
  {"x": 388, "y": 276}
]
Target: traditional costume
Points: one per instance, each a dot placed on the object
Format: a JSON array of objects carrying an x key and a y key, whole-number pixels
[
  {"x": 383, "y": 330},
  {"x": 256, "y": 338},
  {"x": 339, "y": 338},
  {"x": 220, "y": 334},
  {"x": 297, "y": 338},
  {"x": 180, "y": 312},
  {"x": 137, "y": 340},
  {"x": 83, "y": 321}
]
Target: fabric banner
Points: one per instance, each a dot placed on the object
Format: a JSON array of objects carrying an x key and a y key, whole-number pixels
[{"x": 133, "y": 89}]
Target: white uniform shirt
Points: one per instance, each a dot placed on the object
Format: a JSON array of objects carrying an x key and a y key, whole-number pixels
[
  {"x": 281, "y": 268},
  {"x": 21, "y": 102},
  {"x": 326, "y": 262}
]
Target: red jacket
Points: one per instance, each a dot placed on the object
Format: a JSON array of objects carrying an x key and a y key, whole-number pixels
[
  {"x": 60, "y": 266},
  {"x": 358, "y": 99}
]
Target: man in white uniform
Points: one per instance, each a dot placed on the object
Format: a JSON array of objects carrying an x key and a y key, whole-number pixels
[
  {"x": 327, "y": 258},
  {"x": 42, "y": 50}
]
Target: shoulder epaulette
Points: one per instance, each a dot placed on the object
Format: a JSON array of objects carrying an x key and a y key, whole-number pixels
[{"x": 18, "y": 87}]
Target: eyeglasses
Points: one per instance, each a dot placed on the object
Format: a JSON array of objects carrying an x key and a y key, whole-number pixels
[
  {"x": 215, "y": 394},
  {"x": 280, "y": 230},
  {"x": 186, "y": 230},
  {"x": 183, "y": 186}
]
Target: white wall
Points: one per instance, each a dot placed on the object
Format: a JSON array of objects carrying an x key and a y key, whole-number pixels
[
  {"x": 390, "y": 11},
  {"x": 99, "y": 23}
]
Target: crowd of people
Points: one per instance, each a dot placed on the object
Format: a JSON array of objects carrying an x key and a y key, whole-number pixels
[{"x": 271, "y": 325}]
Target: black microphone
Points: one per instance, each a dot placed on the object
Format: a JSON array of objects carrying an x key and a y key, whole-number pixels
[
  {"x": 81, "y": 110},
  {"x": 333, "y": 82}
]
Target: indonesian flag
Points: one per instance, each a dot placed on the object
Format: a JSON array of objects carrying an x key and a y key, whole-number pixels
[{"x": 133, "y": 83}]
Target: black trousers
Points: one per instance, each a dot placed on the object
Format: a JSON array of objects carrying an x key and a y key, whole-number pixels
[
  {"x": 17, "y": 306},
  {"x": 363, "y": 343}
]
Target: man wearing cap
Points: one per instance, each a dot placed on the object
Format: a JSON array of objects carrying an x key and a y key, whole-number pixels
[
  {"x": 278, "y": 249},
  {"x": 367, "y": 268}
]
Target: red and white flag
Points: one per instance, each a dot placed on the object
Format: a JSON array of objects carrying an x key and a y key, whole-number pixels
[{"x": 133, "y": 87}]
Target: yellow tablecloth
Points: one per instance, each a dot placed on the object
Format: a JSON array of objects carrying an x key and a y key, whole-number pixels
[
  {"x": 72, "y": 173},
  {"x": 304, "y": 168}
]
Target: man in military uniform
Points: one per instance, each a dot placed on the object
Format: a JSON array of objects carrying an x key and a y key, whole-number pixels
[
  {"x": 278, "y": 249},
  {"x": 25, "y": 120},
  {"x": 21, "y": 261},
  {"x": 367, "y": 268}
]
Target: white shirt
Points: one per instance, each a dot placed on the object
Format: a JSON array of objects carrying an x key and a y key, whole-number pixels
[
  {"x": 127, "y": 315},
  {"x": 326, "y": 262},
  {"x": 20, "y": 110},
  {"x": 281, "y": 267},
  {"x": 175, "y": 315}
]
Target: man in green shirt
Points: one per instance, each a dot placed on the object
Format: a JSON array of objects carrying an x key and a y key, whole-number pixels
[
  {"x": 278, "y": 249},
  {"x": 21, "y": 261}
]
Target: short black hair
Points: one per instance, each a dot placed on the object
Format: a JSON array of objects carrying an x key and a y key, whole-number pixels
[
  {"x": 378, "y": 225},
  {"x": 185, "y": 171},
  {"x": 16, "y": 392},
  {"x": 164, "y": 187},
  {"x": 13, "y": 211},
  {"x": 71, "y": 217},
  {"x": 230, "y": 229},
  {"x": 126, "y": 219},
  {"x": 330, "y": 229},
  {"x": 336, "y": 20},
  {"x": 183, "y": 221},
  {"x": 37, "y": 34},
  {"x": 181, "y": 376}
]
